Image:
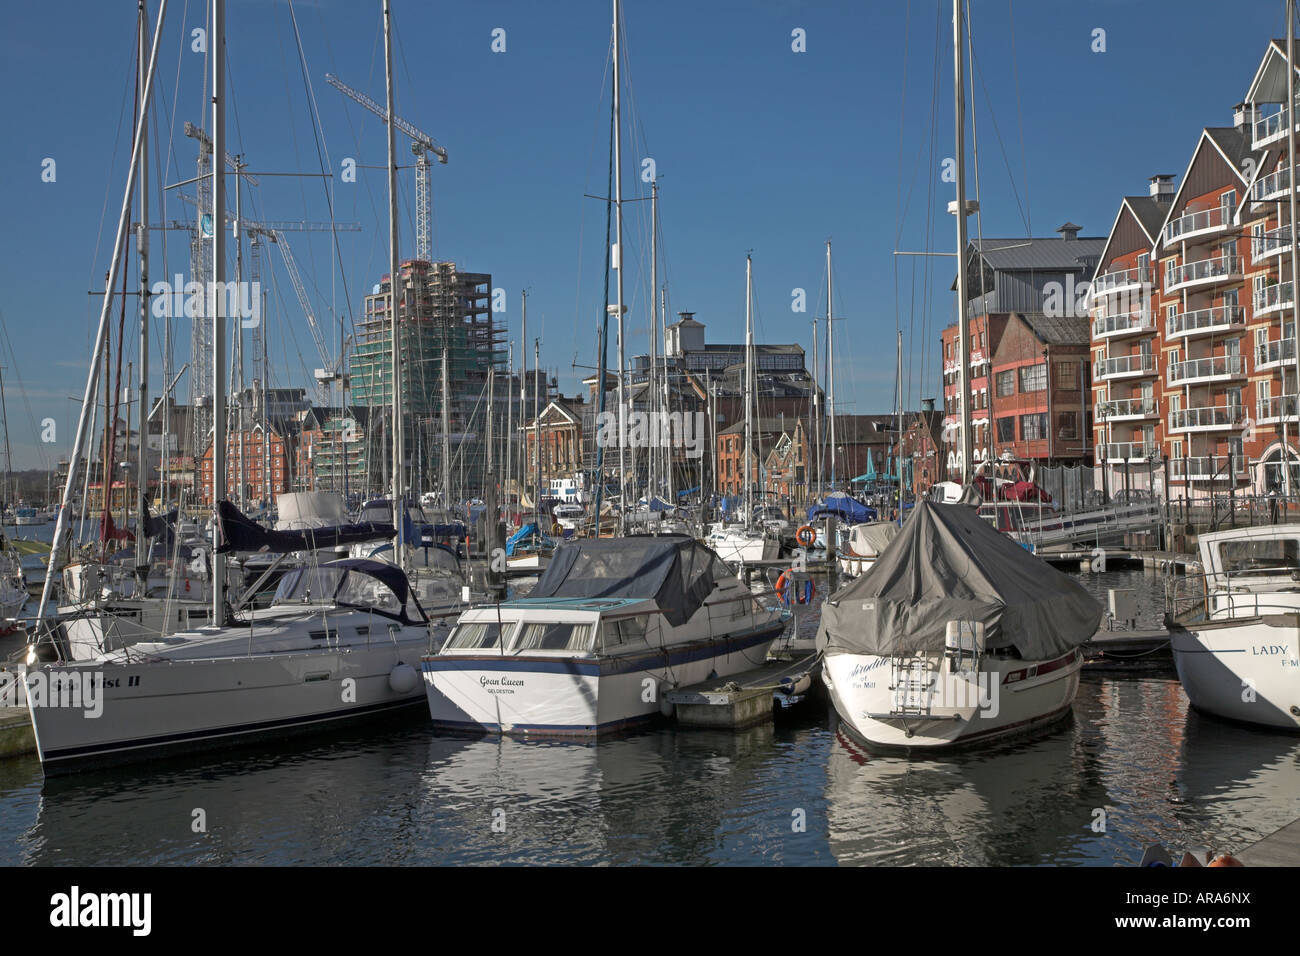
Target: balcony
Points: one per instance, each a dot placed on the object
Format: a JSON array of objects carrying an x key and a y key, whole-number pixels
[
  {"x": 1271, "y": 243},
  {"x": 1270, "y": 129},
  {"x": 1129, "y": 451},
  {"x": 1221, "y": 318},
  {"x": 1208, "y": 222},
  {"x": 1220, "y": 368},
  {"x": 1127, "y": 323},
  {"x": 1118, "y": 410},
  {"x": 1273, "y": 298},
  {"x": 1273, "y": 410},
  {"x": 1110, "y": 283},
  {"x": 1206, "y": 468},
  {"x": 1210, "y": 418},
  {"x": 1203, "y": 272},
  {"x": 1124, "y": 366},
  {"x": 1274, "y": 354},
  {"x": 1273, "y": 186}
]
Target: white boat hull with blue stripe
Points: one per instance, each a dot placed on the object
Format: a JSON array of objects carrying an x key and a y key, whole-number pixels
[{"x": 618, "y": 624}]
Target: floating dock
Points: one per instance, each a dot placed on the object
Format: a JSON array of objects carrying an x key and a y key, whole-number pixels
[
  {"x": 1280, "y": 848},
  {"x": 16, "y": 735},
  {"x": 1129, "y": 650},
  {"x": 746, "y": 699}
]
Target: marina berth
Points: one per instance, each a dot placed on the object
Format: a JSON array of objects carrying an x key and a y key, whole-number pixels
[
  {"x": 611, "y": 627},
  {"x": 957, "y": 635}
]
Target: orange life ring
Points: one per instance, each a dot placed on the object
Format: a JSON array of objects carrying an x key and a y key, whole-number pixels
[
  {"x": 806, "y": 536},
  {"x": 783, "y": 588}
]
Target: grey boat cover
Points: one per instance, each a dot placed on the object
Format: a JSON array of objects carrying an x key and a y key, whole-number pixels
[
  {"x": 949, "y": 564},
  {"x": 673, "y": 570}
]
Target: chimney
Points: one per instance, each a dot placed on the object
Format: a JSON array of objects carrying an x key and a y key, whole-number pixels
[
  {"x": 1244, "y": 116},
  {"x": 1069, "y": 231},
  {"x": 1162, "y": 187}
]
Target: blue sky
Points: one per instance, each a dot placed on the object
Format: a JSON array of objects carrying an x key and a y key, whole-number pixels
[{"x": 757, "y": 147}]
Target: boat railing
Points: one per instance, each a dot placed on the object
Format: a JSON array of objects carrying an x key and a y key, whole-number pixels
[{"x": 1210, "y": 596}]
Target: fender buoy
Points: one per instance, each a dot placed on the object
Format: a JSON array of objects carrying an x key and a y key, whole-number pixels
[
  {"x": 187, "y": 585},
  {"x": 806, "y": 536},
  {"x": 783, "y": 588},
  {"x": 1226, "y": 860},
  {"x": 403, "y": 679}
]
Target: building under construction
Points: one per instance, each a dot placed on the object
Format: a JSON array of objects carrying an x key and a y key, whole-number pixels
[{"x": 439, "y": 308}]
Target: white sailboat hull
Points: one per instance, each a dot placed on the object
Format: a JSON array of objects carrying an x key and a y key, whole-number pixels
[
  {"x": 148, "y": 707},
  {"x": 1246, "y": 671},
  {"x": 1005, "y": 698}
]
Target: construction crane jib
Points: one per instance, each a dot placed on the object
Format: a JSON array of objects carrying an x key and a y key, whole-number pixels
[{"x": 422, "y": 145}]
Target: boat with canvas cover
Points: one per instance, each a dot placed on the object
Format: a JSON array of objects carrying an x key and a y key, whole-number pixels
[
  {"x": 1235, "y": 629},
  {"x": 611, "y": 626},
  {"x": 955, "y": 636},
  {"x": 862, "y": 546}
]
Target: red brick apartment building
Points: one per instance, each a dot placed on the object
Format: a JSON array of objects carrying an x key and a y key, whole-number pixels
[
  {"x": 1029, "y": 350},
  {"x": 1193, "y": 308}
]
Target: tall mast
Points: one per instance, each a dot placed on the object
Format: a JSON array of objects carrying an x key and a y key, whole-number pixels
[
  {"x": 898, "y": 457},
  {"x": 815, "y": 441},
  {"x": 510, "y": 426},
  {"x": 537, "y": 431},
  {"x": 652, "y": 451},
  {"x": 749, "y": 394},
  {"x": 959, "y": 209},
  {"x": 4, "y": 489},
  {"x": 446, "y": 435},
  {"x": 618, "y": 258},
  {"x": 142, "y": 243},
  {"x": 399, "y": 513},
  {"x": 830, "y": 357},
  {"x": 1291, "y": 201},
  {"x": 216, "y": 54},
  {"x": 523, "y": 397},
  {"x": 239, "y": 336}
]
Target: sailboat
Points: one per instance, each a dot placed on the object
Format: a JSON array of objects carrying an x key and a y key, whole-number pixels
[
  {"x": 956, "y": 635},
  {"x": 745, "y": 544},
  {"x": 340, "y": 642}
]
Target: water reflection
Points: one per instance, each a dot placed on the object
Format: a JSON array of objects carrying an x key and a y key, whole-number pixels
[{"x": 792, "y": 793}]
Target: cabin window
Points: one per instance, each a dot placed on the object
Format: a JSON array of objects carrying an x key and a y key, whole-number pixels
[
  {"x": 555, "y": 637},
  {"x": 1266, "y": 555},
  {"x": 628, "y": 630},
  {"x": 480, "y": 634}
]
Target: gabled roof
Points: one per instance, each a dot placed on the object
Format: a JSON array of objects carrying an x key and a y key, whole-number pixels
[
  {"x": 1233, "y": 146},
  {"x": 1147, "y": 211},
  {"x": 1269, "y": 84}
]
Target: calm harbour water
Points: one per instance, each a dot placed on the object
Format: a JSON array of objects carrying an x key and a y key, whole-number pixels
[{"x": 397, "y": 794}]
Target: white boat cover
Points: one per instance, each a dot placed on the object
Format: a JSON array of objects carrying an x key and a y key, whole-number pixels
[
  {"x": 873, "y": 537},
  {"x": 948, "y": 564}
]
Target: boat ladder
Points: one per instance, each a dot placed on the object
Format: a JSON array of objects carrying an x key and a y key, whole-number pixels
[{"x": 912, "y": 682}]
